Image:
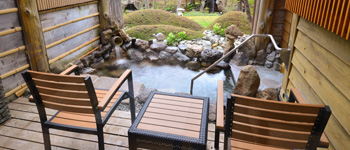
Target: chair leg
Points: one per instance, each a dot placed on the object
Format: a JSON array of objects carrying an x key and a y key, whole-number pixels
[
  {"x": 101, "y": 143},
  {"x": 46, "y": 136},
  {"x": 132, "y": 143},
  {"x": 132, "y": 109},
  {"x": 216, "y": 141}
]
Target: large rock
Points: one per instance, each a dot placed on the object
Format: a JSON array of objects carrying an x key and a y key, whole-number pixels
[
  {"x": 260, "y": 57},
  {"x": 248, "y": 82},
  {"x": 248, "y": 50},
  {"x": 206, "y": 44},
  {"x": 240, "y": 59},
  {"x": 269, "y": 94},
  {"x": 142, "y": 97},
  {"x": 135, "y": 54},
  {"x": 181, "y": 57},
  {"x": 223, "y": 65},
  {"x": 211, "y": 55},
  {"x": 276, "y": 66},
  {"x": 232, "y": 32},
  {"x": 164, "y": 55},
  {"x": 106, "y": 48},
  {"x": 106, "y": 35},
  {"x": 142, "y": 44},
  {"x": 158, "y": 47},
  {"x": 193, "y": 65},
  {"x": 270, "y": 48},
  {"x": 87, "y": 61},
  {"x": 171, "y": 49},
  {"x": 159, "y": 36},
  {"x": 268, "y": 64},
  {"x": 182, "y": 48},
  {"x": 194, "y": 50},
  {"x": 271, "y": 57}
]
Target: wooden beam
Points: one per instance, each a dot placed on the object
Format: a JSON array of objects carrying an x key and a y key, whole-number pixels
[
  {"x": 104, "y": 13},
  {"x": 264, "y": 22},
  {"x": 33, "y": 36},
  {"x": 11, "y": 51},
  {"x": 10, "y": 31},
  {"x": 6, "y": 11},
  {"x": 66, "y": 7},
  {"x": 3, "y": 76}
]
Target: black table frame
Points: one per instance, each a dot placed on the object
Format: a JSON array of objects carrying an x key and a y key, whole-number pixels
[{"x": 175, "y": 141}]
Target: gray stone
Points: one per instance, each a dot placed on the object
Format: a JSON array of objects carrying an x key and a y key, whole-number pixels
[
  {"x": 270, "y": 48},
  {"x": 158, "y": 47},
  {"x": 164, "y": 55},
  {"x": 96, "y": 54},
  {"x": 193, "y": 65},
  {"x": 211, "y": 55},
  {"x": 182, "y": 48},
  {"x": 205, "y": 64},
  {"x": 276, "y": 66},
  {"x": 159, "y": 36},
  {"x": 271, "y": 57},
  {"x": 142, "y": 97},
  {"x": 106, "y": 35},
  {"x": 268, "y": 64},
  {"x": 142, "y": 44},
  {"x": 248, "y": 50},
  {"x": 106, "y": 48},
  {"x": 171, "y": 49},
  {"x": 214, "y": 70},
  {"x": 206, "y": 43},
  {"x": 212, "y": 112},
  {"x": 194, "y": 50},
  {"x": 223, "y": 65},
  {"x": 269, "y": 94},
  {"x": 181, "y": 57},
  {"x": 135, "y": 54},
  {"x": 248, "y": 82},
  {"x": 240, "y": 59},
  {"x": 260, "y": 57},
  {"x": 87, "y": 61},
  {"x": 97, "y": 63}
]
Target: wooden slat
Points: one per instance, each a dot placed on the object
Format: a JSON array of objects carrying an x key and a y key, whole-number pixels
[
  {"x": 274, "y": 132},
  {"x": 237, "y": 144},
  {"x": 48, "y": 4},
  {"x": 163, "y": 129},
  {"x": 332, "y": 14},
  {"x": 346, "y": 24},
  {"x": 69, "y": 70},
  {"x": 56, "y": 77},
  {"x": 268, "y": 140},
  {"x": 273, "y": 114},
  {"x": 319, "y": 13},
  {"x": 324, "y": 12},
  {"x": 171, "y": 124},
  {"x": 336, "y": 17},
  {"x": 274, "y": 105},
  {"x": 65, "y": 100},
  {"x": 178, "y": 108},
  {"x": 175, "y": 103},
  {"x": 288, "y": 16},
  {"x": 177, "y": 98},
  {"x": 220, "y": 105},
  {"x": 59, "y": 85},
  {"x": 166, "y": 111},
  {"x": 68, "y": 108},
  {"x": 273, "y": 123},
  {"x": 286, "y": 27},
  {"x": 172, "y": 118},
  {"x": 63, "y": 93}
]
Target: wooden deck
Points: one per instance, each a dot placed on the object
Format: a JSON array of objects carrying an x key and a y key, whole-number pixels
[{"x": 23, "y": 131}]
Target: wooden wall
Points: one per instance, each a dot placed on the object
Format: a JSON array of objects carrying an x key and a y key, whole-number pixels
[
  {"x": 12, "y": 47},
  {"x": 320, "y": 69},
  {"x": 278, "y": 20},
  {"x": 286, "y": 29}
]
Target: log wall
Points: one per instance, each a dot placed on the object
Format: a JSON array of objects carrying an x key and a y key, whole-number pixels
[
  {"x": 320, "y": 69},
  {"x": 278, "y": 20}
]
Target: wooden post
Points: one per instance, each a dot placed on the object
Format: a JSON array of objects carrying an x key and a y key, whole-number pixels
[
  {"x": 264, "y": 22},
  {"x": 116, "y": 11},
  {"x": 104, "y": 13},
  {"x": 33, "y": 36}
]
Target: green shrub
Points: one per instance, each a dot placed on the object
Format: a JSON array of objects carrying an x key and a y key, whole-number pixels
[
  {"x": 218, "y": 30},
  {"x": 234, "y": 17},
  {"x": 159, "y": 17},
  {"x": 172, "y": 39},
  {"x": 146, "y": 32}
]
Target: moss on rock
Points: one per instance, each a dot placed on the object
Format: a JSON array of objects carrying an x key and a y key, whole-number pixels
[
  {"x": 234, "y": 17},
  {"x": 146, "y": 32},
  {"x": 159, "y": 17}
]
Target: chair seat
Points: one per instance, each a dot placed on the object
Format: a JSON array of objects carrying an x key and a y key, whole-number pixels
[
  {"x": 85, "y": 120},
  {"x": 237, "y": 144}
]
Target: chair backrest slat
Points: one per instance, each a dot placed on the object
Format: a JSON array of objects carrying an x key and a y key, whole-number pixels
[
  {"x": 64, "y": 92},
  {"x": 279, "y": 124},
  {"x": 268, "y": 140}
]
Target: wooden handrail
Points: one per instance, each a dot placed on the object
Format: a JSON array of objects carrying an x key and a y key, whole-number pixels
[
  {"x": 6, "y": 11},
  {"x": 10, "y": 31},
  {"x": 220, "y": 105},
  {"x": 11, "y": 51}
]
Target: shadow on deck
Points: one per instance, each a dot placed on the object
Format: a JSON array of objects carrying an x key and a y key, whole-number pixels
[{"x": 23, "y": 131}]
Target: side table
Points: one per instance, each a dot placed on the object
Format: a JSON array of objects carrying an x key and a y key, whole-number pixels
[{"x": 171, "y": 121}]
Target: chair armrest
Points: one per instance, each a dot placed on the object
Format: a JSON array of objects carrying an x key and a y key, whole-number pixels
[
  {"x": 103, "y": 103},
  {"x": 220, "y": 106},
  {"x": 65, "y": 72},
  {"x": 300, "y": 99}
]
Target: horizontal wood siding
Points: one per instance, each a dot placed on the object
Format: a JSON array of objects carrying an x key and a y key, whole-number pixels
[
  {"x": 320, "y": 69},
  {"x": 49, "y": 4},
  {"x": 9, "y": 42},
  {"x": 286, "y": 29},
  {"x": 54, "y": 18},
  {"x": 333, "y": 15}
]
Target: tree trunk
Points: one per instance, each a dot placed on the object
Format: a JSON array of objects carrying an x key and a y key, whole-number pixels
[
  {"x": 247, "y": 11},
  {"x": 264, "y": 22},
  {"x": 239, "y": 5},
  {"x": 179, "y": 3},
  {"x": 116, "y": 12}
]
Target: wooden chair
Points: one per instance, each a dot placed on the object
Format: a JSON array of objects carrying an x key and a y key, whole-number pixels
[
  {"x": 81, "y": 108},
  {"x": 253, "y": 123}
]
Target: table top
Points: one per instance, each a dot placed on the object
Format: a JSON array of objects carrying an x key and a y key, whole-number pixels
[{"x": 174, "y": 116}]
